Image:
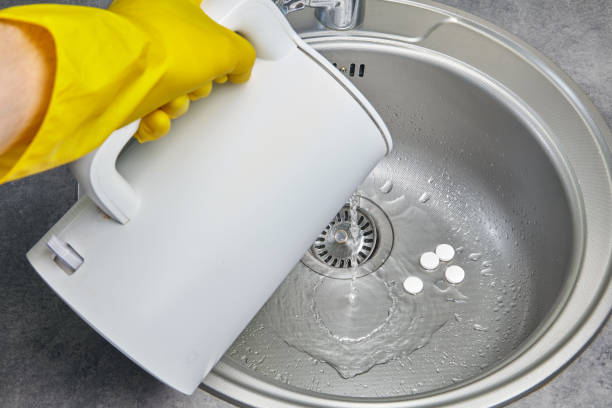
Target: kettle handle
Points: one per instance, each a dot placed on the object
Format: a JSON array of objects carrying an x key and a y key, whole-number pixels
[
  {"x": 99, "y": 179},
  {"x": 261, "y": 22}
]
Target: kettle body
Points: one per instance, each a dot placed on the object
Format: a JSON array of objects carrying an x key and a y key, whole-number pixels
[{"x": 177, "y": 243}]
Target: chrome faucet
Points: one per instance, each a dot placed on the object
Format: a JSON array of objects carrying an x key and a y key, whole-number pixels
[{"x": 334, "y": 14}]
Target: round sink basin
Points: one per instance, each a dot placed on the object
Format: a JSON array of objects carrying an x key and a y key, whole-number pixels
[{"x": 498, "y": 154}]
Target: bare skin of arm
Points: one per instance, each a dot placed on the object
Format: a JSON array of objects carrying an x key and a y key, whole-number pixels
[{"x": 26, "y": 76}]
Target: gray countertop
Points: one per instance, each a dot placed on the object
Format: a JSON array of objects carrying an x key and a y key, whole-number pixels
[{"x": 49, "y": 357}]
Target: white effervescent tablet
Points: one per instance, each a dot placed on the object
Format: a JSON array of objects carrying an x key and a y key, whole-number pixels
[
  {"x": 454, "y": 274},
  {"x": 445, "y": 252},
  {"x": 413, "y": 285},
  {"x": 429, "y": 260}
]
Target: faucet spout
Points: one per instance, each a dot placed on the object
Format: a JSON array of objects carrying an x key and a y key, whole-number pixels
[{"x": 334, "y": 14}]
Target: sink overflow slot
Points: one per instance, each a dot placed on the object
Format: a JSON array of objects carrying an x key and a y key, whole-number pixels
[{"x": 352, "y": 69}]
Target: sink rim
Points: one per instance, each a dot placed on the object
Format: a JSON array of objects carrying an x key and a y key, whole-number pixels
[{"x": 228, "y": 382}]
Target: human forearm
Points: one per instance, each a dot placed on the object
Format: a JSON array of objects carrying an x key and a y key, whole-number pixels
[
  {"x": 26, "y": 72},
  {"x": 137, "y": 59}
]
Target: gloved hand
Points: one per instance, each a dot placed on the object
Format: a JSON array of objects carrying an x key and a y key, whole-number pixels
[{"x": 139, "y": 58}]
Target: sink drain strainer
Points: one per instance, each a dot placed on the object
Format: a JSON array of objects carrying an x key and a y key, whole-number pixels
[
  {"x": 334, "y": 251},
  {"x": 335, "y": 245}
]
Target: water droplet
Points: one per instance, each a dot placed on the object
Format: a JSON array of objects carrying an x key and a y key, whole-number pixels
[
  {"x": 424, "y": 198},
  {"x": 487, "y": 272},
  {"x": 386, "y": 187},
  {"x": 475, "y": 256}
]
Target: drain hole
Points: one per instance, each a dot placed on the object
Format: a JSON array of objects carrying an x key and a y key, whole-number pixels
[
  {"x": 335, "y": 248},
  {"x": 352, "y": 70},
  {"x": 361, "y": 70},
  {"x": 344, "y": 257}
]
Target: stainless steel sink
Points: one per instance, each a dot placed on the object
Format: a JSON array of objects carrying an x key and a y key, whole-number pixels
[{"x": 496, "y": 152}]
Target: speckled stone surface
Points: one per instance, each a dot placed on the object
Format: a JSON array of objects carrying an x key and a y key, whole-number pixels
[{"x": 50, "y": 358}]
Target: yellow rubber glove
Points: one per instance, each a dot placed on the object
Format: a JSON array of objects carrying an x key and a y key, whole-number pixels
[{"x": 139, "y": 58}]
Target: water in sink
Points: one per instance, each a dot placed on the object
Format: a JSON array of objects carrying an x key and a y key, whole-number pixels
[{"x": 378, "y": 321}]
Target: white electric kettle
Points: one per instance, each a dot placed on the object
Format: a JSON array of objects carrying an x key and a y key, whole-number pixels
[{"x": 177, "y": 243}]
